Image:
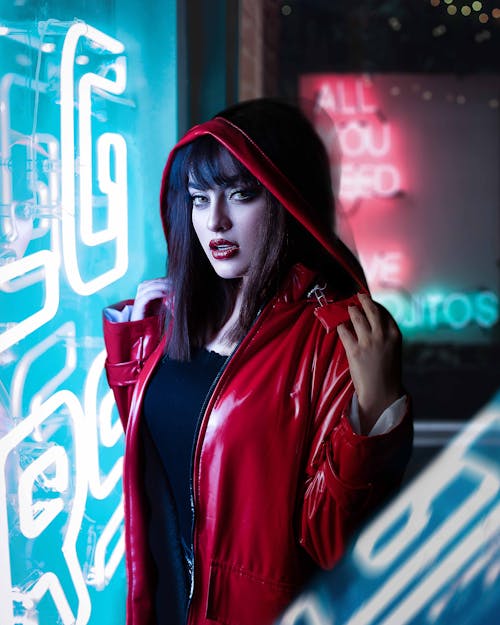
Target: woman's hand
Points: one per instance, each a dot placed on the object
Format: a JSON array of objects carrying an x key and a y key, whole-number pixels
[
  {"x": 374, "y": 354},
  {"x": 149, "y": 298}
]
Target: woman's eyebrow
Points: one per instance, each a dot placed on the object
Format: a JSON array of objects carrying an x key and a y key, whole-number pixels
[
  {"x": 227, "y": 181},
  {"x": 238, "y": 180}
]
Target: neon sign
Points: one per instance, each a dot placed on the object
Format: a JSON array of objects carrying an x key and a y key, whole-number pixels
[
  {"x": 365, "y": 139},
  {"x": 64, "y": 189},
  {"x": 433, "y": 310},
  {"x": 110, "y": 146},
  {"x": 384, "y": 268},
  {"x": 397, "y": 154},
  {"x": 47, "y": 262},
  {"x": 72, "y": 102},
  {"x": 429, "y": 555}
]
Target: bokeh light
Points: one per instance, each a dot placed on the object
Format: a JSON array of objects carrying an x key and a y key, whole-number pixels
[{"x": 439, "y": 30}]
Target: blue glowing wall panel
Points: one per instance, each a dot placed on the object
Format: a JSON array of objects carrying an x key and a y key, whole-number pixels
[{"x": 87, "y": 117}]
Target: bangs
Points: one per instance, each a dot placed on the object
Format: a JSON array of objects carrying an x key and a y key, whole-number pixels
[{"x": 209, "y": 164}]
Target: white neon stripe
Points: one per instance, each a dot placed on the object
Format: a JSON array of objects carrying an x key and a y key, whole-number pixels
[
  {"x": 417, "y": 500},
  {"x": 442, "y": 426},
  {"x": 49, "y": 583},
  {"x": 115, "y": 558},
  {"x": 36, "y": 516},
  {"x": 48, "y": 196},
  {"x": 47, "y": 260},
  {"x": 308, "y": 609},
  {"x": 115, "y": 189},
  {"x": 104, "y": 571},
  {"x": 110, "y": 431},
  {"x": 81, "y": 478},
  {"x": 87, "y": 83},
  {"x": 486, "y": 529},
  {"x": 69, "y": 242},
  {"x": 6, "y": 83},
  {"x": 53, "y": 175},
  {"x": 99, "y": 488},
  {"x": 22, "y": 280},
  {"x": 478, "y": 566},
  {"x": 8, "y": 443},
  {"x": 64, "y": 334}
]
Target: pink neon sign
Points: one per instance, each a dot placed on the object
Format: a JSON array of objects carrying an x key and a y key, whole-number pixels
[
  {"x": 367, "y": 139},
  {"x": 410, "y": 184},
  {"x": 362, "y": 137}
]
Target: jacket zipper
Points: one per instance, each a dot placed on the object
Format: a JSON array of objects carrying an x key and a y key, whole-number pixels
[
  {"x": 201, "y": 416},
  {"x": 193, "y": 451}
]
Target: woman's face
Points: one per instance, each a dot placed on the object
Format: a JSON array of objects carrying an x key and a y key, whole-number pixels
[
  {"x": 16, "y": 230},
  {"x": 228, "y": 222}
]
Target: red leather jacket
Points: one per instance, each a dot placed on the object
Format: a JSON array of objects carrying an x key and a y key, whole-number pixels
[{"x": 280, "y": 479}]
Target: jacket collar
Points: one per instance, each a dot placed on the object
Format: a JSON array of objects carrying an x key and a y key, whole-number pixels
[{"x": 297, "y": 284}]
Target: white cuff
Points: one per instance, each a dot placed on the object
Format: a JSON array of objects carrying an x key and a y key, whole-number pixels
[
  {"x": 117, "y": 316},
  {"x": 392, "y": 416}
]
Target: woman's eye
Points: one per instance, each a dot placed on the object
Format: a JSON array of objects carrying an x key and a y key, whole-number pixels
[
  {"x": 243, "y": 195},
  {"x": 199, "y": 200},
  {"x": 23, "y": 211}
]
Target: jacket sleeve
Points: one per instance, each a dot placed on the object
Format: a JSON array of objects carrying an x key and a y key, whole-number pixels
[
  {"x": 347, "y": 475},
  {"x": 128, "y": 346}
]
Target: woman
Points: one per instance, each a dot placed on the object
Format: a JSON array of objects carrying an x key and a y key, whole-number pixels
[{"x": 248, "y": 354}]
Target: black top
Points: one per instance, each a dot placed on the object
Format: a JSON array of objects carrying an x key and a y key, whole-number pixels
[
  {"x": 173, "y": 403},
  {"x": 172, "y": 406}
]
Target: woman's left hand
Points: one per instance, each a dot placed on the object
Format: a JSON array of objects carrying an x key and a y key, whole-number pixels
[{"x": 373, "y": 351}]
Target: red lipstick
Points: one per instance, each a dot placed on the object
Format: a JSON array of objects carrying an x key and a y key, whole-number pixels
[{"x": 222, "y": 249}]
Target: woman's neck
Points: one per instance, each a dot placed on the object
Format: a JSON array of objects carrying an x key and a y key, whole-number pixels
[{"x": 220, "y": 342}]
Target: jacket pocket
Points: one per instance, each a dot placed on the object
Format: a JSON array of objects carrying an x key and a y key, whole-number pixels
[{"x": 238, "y": 597}]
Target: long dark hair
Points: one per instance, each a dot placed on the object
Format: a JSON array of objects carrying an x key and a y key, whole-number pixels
[{"x": 203, "y": 301}]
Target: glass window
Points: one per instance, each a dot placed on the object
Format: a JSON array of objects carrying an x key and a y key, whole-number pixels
[{"x": 88, "y": 113}]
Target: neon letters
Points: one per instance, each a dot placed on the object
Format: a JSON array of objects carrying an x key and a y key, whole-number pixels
[
  {"x": 63, "y": 188},
  {"x": 365, "y": 139}
]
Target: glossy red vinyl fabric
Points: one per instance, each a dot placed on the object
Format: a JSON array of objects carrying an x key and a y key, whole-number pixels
[{"x": 280, "y": 479}]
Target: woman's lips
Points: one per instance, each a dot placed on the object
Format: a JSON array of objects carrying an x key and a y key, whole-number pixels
[
  {"x": 222, "y": 249},
  {"x": 7, "y": 255}
]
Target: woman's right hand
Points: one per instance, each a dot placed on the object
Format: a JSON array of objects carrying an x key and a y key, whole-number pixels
[{"x": 149, "y": 298}]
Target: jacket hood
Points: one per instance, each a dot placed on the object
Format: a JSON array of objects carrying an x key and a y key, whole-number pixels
[{"x": 246, "y": 150}]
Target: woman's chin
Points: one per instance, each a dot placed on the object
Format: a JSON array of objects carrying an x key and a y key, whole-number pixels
[{"x": 228, "y": 272}]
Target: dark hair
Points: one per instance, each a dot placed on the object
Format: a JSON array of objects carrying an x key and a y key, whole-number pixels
[{"x": 203, "y": 302}]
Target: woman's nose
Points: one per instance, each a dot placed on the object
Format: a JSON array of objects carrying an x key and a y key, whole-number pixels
[
  {"x": 218, "y": 216},
  {"x": 8, "y": 231}
]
